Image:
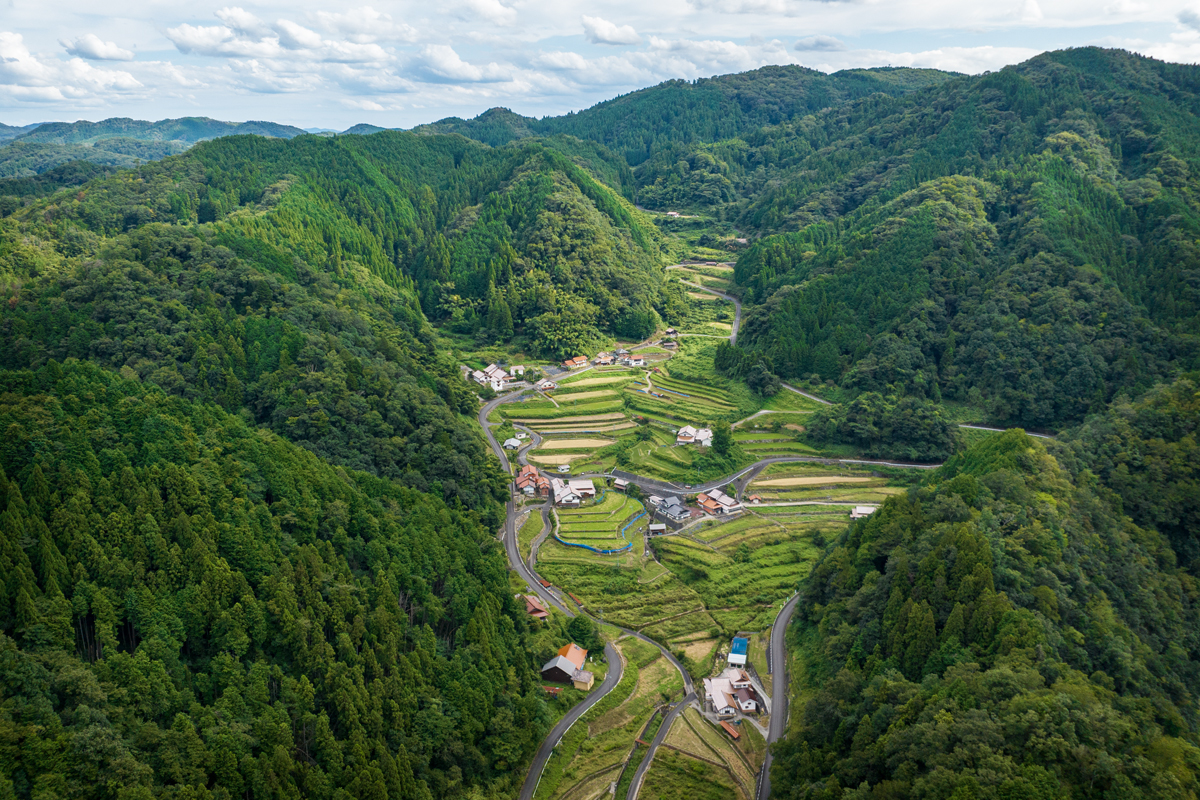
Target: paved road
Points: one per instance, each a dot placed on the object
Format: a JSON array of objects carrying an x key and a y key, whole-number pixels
[
  {"x": 777, "y": 663},
  {"x": 737, "y": 307},
  {"x": 636, "y": 785},
  {"x": 615, "y": 670}
]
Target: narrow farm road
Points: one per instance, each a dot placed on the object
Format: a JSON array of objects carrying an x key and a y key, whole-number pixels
[{"x": 777, "y": 663}]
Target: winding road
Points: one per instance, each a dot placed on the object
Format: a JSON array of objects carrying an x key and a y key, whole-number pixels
[{"x": 737, "y": 304}]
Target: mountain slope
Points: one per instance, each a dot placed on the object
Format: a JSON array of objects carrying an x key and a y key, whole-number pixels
[
  {"x": 1023, "y": 241},
  {"x": 183, "y": 129},
  {"x": 710, "y": 109},
  {"x": 1001, "y": 632}
]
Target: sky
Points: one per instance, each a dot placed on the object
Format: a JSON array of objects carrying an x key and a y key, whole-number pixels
[{"x": 318, "y": 64}]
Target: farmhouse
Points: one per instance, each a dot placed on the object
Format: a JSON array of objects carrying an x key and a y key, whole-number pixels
[
  {"x": 545, "y": 385},
  {"x": 674, "y": 508},
  {"x": 704, "y": 437},
  {"x": 479, "y": 377},
  {"x": 620, "y": 484},
  {"x": 567, "y": 667},
  {"x": 685, "y": 435},
  {"x": 512, "y": 444},
  {"x": 575, "y": 363},
  {"x": 582, "y": 487},
  {"x": 657, "y": 529},
  {"x": 534, "y": 607},
  {"x": 862, "y": 511},
  {"x": 602, "y": 360},
  {"x": 717, "y": 692},
  {"x": 717, "y": 502},
  {"x": 564, "y": 496},
  {"x": 637, "y": 361},
  {"x": 737, "y": 652}
]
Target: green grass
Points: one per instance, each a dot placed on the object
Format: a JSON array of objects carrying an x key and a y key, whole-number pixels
[
  {"x": 674, "y": 776},
  {"x": 542, "y": 409},
  {"x": 529, "y": 531}
]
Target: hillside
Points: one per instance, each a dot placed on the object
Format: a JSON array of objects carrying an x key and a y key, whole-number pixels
[
  {"x": 183, "y": 129},
  {"x": 1000, "y": 632},
  {"x": 638, "y": 124},
  {"x": 1024, "y": 242}
]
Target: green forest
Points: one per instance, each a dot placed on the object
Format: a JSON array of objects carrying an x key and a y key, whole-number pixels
[{"x": 248, "y": 519}]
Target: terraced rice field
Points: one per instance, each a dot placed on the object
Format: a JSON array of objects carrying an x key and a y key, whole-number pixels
[
  {"x": 575, "y": 397},
  {"x": 571, "y": 418},
  {"x": 574, "y": 444},
  {"x": 556, "y": 458},
  {"x": 616, "y": 521},
  {"x": 816, "y": 480},
  {"x": 702, "y": 296}
]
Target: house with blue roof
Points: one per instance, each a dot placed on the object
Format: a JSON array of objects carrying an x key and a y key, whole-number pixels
[{"x": 737, "y": 653}]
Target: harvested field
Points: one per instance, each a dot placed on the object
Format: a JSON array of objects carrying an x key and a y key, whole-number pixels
[
  {"x": 571, "y": 444},
  {"x": 699, "y": 650},
  {"x": 725, "y": 326},
  {"x": 588, "y": 428},
  {"x": 601, "y": 381},
  {"x": 813, "y": 481},
  {"x": 573, "y": 396},
  {"x": 615, "y": 415},
  {"x": 702, "y": 296},
  {"x": 557, "y": 458}
]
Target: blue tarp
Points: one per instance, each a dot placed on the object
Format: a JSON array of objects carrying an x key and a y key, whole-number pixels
[{"x": 740, "y": 646}]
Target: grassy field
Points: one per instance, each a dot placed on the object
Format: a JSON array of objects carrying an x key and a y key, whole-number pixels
[
  {"x": 529, "y": 531},
  {"x": 703, "y": 754}
]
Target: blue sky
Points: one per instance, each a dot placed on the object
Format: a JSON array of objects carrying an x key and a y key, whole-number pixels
[{"x": 398, "y": 64}]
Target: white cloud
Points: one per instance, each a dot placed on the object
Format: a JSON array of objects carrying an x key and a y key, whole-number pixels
[
  {"x": 297, "y": 37},
  {"x": 601, "y": 31},
  {"x": 243, "y": 22},
  {"x": 23, "y": 75},
  {"x": 365, "y": 25},
  {"x": 92, "y": 46},
  {"x": 440, "y": 64},
  {"x": 218, "y": 40},
  {"x": 820, "y": 44},
  {"x": 492, "y": 10},
  {"x": 1190, "y": 18}
]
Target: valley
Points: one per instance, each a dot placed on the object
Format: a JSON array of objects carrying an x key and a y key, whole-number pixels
[{"x": 778, "y": 434}]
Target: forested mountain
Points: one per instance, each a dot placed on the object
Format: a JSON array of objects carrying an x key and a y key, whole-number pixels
[
  {"x": 246, "y": 523},
  {"x": 638, "y": 124},
  {"x": 1004, "y": 631},
  {"x": 116, "y": 142},
  {"x": 12, "y": 131},
  {"x": 1025, "y": 241},
  {"x": 193, "y": 606},
  {"x": 183, "y": 129}
]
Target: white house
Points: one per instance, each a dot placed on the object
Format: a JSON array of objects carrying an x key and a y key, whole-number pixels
[
  {"x": 704, "y": 437},
  {"x": 862, "y": 511},
  {"x": 563, "y": 494},
  {"x": 512, "y": 444},
  {"x": 685, "y": 435},
  {"x": 718, "y": 692},
  {"x": 637, "y": 361},
  {"x": 582, "y": 487},
  {"x": 479, "y": 377}
]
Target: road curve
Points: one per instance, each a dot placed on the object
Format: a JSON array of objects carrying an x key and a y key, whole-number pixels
[
  {"x": 616, "y": 668},
  {"x": 777, "y": 661}
]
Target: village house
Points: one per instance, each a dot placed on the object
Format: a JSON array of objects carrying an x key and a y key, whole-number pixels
[
  {"x": 534, "y": 607},
  {"x": 704, "y": 437},
  {"x": 567, "y": 667},
  {"x": 730, "y": 692},
  {"x": 862, "y": 511},
  {"x": 674, "y": 508},
  {"x": 717, "y": 502},
  {"x": 602, "y": 360},
  {"x": 564, "y": 496},
  {"x": 672, "y": 332},
  {"x": 637, "y": 361},
  {"x": 620, "y": 484},
  {"x": 545, "y": 385},
  {"x": 738, "y": 651},
  {"x": 479, "y": 377},
  {"x": 575, "y": 363},
  {"x": 582, "y": 487},
  {"x": 512, "y": 444},
  {"x": 657, "y": 529},
  {"x": 719, "y": 694},
  {"x": 685, "y": 435}
]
